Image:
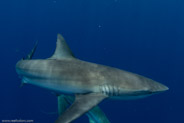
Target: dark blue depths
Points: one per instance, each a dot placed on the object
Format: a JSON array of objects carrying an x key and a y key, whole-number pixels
[{"x": 145, "y": 37}]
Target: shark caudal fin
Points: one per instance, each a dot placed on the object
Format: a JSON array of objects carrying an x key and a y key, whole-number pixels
[
  {"x": 30, "y": 55},
  {"x": 62, "y": 50}
]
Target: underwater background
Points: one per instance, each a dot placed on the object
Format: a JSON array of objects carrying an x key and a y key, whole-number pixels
[{"x": 141, "y": 36}]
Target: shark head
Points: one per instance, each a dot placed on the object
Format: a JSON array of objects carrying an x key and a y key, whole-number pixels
[
  {"x": 144, "y": 88},
  {"x": 126, "y": 85}
]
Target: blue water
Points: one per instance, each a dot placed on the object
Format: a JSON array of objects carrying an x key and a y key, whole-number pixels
[{"x": 141, "y": 36}]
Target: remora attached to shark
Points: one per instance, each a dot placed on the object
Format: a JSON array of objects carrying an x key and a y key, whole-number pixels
[{"x": 90, "y": 83}]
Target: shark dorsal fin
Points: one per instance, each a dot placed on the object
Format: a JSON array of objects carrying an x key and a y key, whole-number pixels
[{"x": 62, "y": 50}]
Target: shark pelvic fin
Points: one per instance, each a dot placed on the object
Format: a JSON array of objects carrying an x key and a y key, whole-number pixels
[
  {"x": 62, "y": 50},
  {"x": 62, "y": 104},
  {"x": 81, "y": 105}
]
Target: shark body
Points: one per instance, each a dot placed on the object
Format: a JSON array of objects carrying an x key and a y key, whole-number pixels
[{"x": 90, "y": 83}]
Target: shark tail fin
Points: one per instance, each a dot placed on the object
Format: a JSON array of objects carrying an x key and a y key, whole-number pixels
[
  {"x": 22, "y": 84},
  {"x": 30, "y": 55}
]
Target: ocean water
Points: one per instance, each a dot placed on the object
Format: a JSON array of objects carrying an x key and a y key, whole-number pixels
[{"x": 141, "y": 36}]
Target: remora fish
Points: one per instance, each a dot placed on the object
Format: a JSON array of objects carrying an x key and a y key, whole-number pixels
[{"x": 90, "y": 83}]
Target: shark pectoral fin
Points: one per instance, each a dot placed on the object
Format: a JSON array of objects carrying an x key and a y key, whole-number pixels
[
  {"x": 96, "y": 114},
  {"x": 81, "y": 105}
]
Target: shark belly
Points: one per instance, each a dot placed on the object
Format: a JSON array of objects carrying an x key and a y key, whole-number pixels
[
  {"x": 58, "y": 86},
  {"x": 45, "y": 74}
]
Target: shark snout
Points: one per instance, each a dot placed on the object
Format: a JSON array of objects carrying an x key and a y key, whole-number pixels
[{"x": 158, "y": 87}]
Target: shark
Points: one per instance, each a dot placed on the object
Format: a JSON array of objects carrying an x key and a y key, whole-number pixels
[{"x": 87, "y": 83}]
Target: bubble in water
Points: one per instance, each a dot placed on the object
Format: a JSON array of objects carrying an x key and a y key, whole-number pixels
[{"x": 99, "y": 26}]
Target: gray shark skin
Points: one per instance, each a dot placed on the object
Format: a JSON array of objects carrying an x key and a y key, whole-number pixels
[{"x": 90, "y": 83}]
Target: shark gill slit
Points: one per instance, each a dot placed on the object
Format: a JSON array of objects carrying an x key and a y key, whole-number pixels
[{"x": 110, "y": 90}]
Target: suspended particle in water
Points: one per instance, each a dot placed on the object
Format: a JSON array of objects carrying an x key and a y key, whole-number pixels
[{"x": 17, "y": 50}]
